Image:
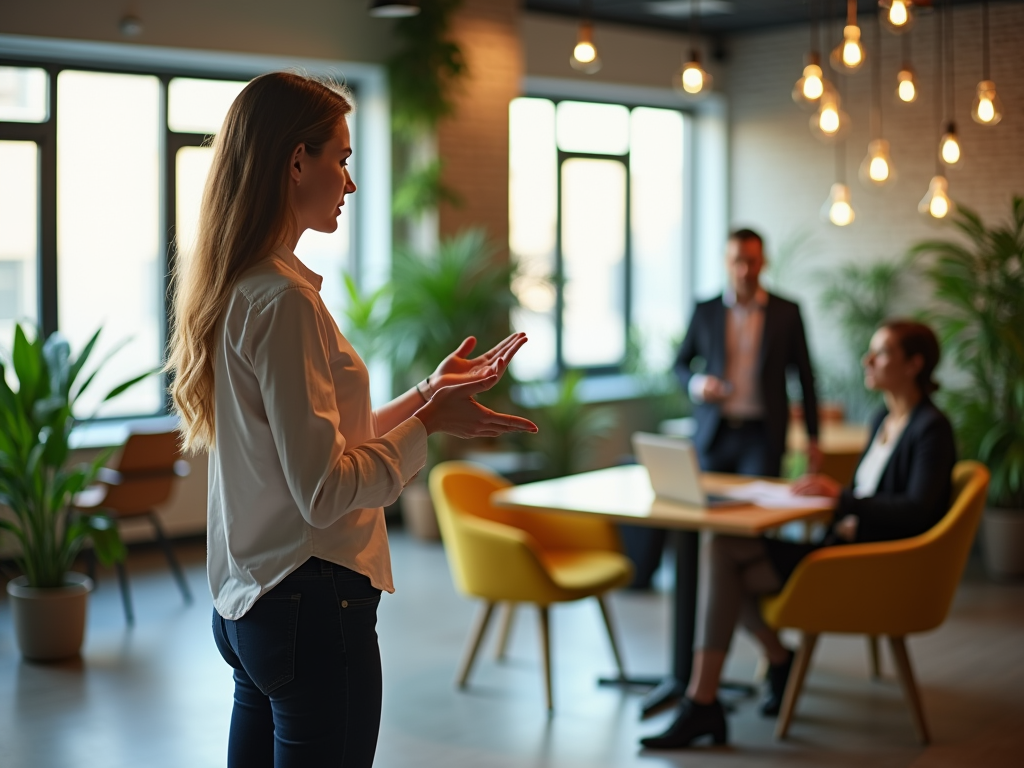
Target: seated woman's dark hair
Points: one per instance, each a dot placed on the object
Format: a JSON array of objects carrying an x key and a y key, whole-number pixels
[{"x": 917, "y": 339}]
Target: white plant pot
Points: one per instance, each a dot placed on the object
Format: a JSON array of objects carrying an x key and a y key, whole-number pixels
[
  {"x": 1003, "y": 540},
  {"x": 418, "y": 514},
  {"x": 49, "y": 623}
]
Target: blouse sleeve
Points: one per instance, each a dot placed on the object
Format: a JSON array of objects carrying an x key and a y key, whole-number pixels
[{"x": 288, "y": 350}]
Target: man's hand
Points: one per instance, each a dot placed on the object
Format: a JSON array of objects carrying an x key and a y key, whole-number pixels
[{"x": 715, "y": 390}]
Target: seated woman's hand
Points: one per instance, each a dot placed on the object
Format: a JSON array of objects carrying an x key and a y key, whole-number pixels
[
  {"x": 816, "y": 485},
  {"x": 454, "y": 410},
  {"x": 459, "y": 368}
]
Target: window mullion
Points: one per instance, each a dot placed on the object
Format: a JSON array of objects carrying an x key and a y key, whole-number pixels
[{"x": 47, "y": 265}]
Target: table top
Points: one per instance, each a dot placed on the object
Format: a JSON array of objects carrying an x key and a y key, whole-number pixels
[
  {"x": 624, "y": 495},
  {"x": 833, "y": 437}
]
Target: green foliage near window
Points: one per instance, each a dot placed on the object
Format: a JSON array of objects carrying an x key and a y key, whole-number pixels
[
  {"x": 36, "y": 482},
  {"x": 979, "y": 287},
  {"x": 432, "y": 301},
  {"x": 859, "y": 297},
  {"x": 424, "y": 69},
  {"x": 568, "y": 429},
  {"x": 420, "y": 190}
]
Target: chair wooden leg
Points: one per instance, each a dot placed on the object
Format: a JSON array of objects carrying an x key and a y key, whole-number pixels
[
  {"x": 476, "y": 635},
  {"x": 906, "y": 673},
  {"x": 508, "y": 612},
  {"x": 603, "y": 602},
  {"x": 126, "y": 595},
  {"x": 172, "y": 561},
  {"x": 545, "y": 647},
  {"x": 796, "y": 683},
  {"x": 876, "y": 659}
]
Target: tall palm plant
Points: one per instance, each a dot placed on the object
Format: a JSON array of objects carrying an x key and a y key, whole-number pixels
[{"x": 980, "y": 288}]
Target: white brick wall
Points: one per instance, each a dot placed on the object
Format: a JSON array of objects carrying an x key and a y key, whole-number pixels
[{"x": 780, "y": 175}]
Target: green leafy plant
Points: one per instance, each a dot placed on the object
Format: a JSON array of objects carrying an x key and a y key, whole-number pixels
[
  {"x": 979, "y": 286},
  {"x": 36, "y": 482},
  {"x": 859, "y": 297},
  {"x": 568, "y": 429}
]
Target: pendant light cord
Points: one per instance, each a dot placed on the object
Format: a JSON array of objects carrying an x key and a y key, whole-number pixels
[
  {"x": 876, "y": 82},
  {"x": 939, "y": 85},
  {"x": 948, "y": 12},
  {"x": 984, "y": 41},
  {"x": 905, "y": 40}
]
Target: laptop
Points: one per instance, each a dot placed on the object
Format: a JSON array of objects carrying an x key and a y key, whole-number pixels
[{"x": 672, "y": 465}]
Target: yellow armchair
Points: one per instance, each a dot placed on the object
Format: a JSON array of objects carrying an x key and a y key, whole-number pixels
[
  {"x": 891, "y": 588},
  {"x": 506, "y": 556}
]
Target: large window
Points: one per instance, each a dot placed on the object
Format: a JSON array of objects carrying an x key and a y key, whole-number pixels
[
  {"x": 596, "y": 228},
  {"x": 101, "y": 175}
]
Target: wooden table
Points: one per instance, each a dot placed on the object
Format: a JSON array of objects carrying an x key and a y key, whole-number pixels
[{"x": 624, "y": 495}]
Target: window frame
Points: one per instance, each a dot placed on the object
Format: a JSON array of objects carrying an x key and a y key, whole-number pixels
[
  {"x": 689, "y": 117},
  {"x": 44, "y": 134}
]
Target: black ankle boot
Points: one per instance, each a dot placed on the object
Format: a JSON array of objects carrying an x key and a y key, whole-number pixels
[
  {"x": 777, "y": 677},
  {"x": 694, "y": 720}
]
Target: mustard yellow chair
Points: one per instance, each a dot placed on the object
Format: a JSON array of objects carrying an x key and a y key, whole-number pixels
[
  {"x": 892, "y": 588},
  {"x": 507, "y": 556}
]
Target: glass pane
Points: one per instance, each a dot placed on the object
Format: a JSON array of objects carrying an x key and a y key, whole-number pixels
[
  {"x": 593, "y": 261},
  {"x": 108, "y": 220},
  {"x": 192, "y": 165},
  {"x": 23, "y": 94},
  {"x": 586, "y": 127},
  {"x": 19, "y": 236},
  {"x": 533, "y": 209},
  {"x": 199, "y": 106},
  {"x": 656, "y": 185}
]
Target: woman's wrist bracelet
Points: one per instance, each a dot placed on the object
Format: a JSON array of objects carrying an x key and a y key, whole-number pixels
[{"x": 419, "y": 388}]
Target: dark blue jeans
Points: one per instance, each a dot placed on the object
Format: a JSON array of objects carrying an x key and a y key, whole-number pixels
[{"x": 307, "y": 672}]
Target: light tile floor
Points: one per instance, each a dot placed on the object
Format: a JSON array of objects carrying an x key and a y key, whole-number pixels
[{"x": 160, "y": 696}]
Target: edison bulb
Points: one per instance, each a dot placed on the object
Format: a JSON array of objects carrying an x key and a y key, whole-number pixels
[
  {"x": 949, "y": 146},
  {"x": 849, "y": 54},
  {"x": 693, "y": 78},
  {"x": 837, "y": 208},
  {"x": 987, "y": 110},
  {"x": 829, "y": 122},
  {"x": 584, "y": 56},
  {"x": 899, "y": 14},
  {"x": 811, "y": 86},
  {"x": 907, "y": 89},
  {"x": 936, "y": 202},
  {"x": 877, "y": 170}
]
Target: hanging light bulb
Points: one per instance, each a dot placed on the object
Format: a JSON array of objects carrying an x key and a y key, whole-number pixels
[
  {"x": 693, "y": 78},
  {"x": 837, "y": 208},
  {"x": 849, "y": 55},
  {"x": 949, "y": 147},
  {"x": 810, "y": 88},
  {"x": 829, "y": 122},
  {"x": 987, "y": 109},
  {"x": 584, "y": 56},
  {"x": 876, "y": 170},
  {"x": 906, "y": 89},
  {"x": 897, "y": 14},
  {"x": 936, "y": 202}
]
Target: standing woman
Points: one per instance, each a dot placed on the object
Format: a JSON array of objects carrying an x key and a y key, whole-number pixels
[{"x": 300, "y": 466}]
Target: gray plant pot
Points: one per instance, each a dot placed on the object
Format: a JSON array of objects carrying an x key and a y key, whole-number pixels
[
  {"x": 1003, "y": 540},
  {"x": 49, "y": 624},
  {"x": 418, "y": 513}
]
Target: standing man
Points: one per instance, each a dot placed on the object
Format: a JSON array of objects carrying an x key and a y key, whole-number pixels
[{"x": 748, "y": 340}]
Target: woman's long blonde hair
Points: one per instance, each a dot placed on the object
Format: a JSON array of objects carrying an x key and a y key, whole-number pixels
[{"x": 244, "y": 215}]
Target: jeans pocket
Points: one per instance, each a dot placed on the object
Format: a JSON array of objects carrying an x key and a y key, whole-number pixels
[{"x": 266, "y": 640}]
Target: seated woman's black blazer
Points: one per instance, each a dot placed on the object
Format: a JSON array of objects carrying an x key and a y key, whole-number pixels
[{"x": 913, "y": 493}]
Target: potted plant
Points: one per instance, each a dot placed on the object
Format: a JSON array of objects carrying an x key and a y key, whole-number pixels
[
  {"x": 37, "y": 484},
  {"x": 431, "y": 304},
  {"x": 979, "y": 285}
]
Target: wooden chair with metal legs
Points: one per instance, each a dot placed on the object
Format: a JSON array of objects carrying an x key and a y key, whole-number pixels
[
  {"x": 149, "y": 465},
  {"x": 510, "y": 557},
  {"x": 890, "y": 588}
]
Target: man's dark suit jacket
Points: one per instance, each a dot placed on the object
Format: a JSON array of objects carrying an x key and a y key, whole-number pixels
[{"x": 783, "y": 347}]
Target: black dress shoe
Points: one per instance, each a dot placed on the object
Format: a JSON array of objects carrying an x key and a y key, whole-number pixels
[
  {"x": 694, "y": 721},
  {"x": 777, "y": 677}
]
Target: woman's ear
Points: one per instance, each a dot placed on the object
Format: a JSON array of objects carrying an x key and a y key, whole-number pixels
[{"x": 295, "y": 164}]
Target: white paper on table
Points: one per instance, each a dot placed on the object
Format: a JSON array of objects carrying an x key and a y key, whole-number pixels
[{"x": 774, "y": 496}]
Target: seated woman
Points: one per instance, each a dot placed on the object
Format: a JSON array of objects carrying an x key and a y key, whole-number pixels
[{"x": 902, "y": 488}]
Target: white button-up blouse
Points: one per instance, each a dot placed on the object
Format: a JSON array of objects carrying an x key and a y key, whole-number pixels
[{"x": 298, "y": 469}]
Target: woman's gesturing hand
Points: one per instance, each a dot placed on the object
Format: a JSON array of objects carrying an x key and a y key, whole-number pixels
[
  {"x": 459, "y": 368},
  {"x": 816, "y": 485},
  {"x": 454, "y": 410}
]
